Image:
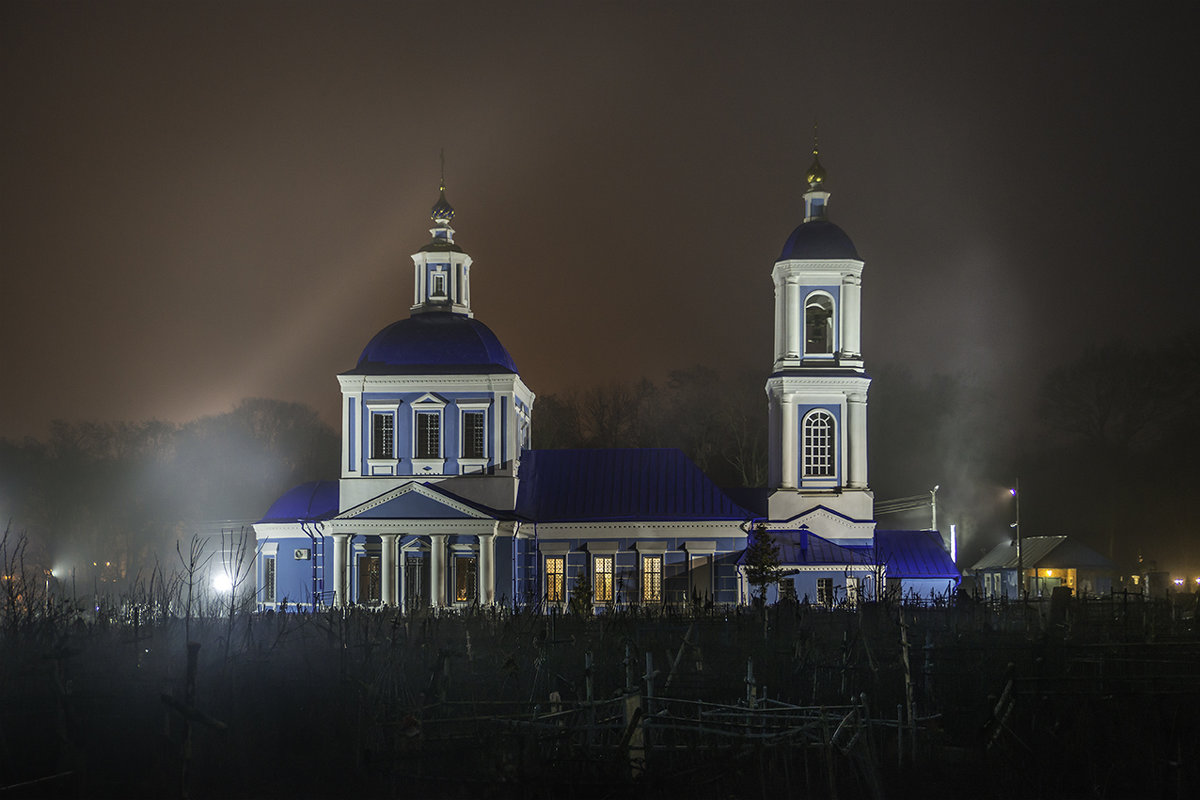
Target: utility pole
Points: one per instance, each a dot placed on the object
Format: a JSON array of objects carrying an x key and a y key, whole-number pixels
[{"x": 1016, "y": 493}]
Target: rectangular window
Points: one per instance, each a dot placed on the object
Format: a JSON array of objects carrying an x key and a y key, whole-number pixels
[
  {"x": 602, "y": 585},
  {"x": 439, "y": 284},
  {"x": 429, "y": 434},
  {"x": 652, "y": 567},
  {"x": 473, "y": 434},
  {"x": 268, "y": 580},
  {"x": 556, "y": 575},
  {"x": 466, "y": 582},
  {"x": 383, "y": 435},
  {"x": 852, "y": 590},
  {"x": 824, "y": 591}
]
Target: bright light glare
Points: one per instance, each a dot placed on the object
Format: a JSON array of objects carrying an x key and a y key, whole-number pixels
[
  {"x": 1179, "y": 581},
  {"x": 1013, "y": 492},
  {"x": 222, "y": 583}
]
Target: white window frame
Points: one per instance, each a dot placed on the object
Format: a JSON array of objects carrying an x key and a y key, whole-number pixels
[
  {"x": 825, "y": 592},
  {"x": 381, "y": 466},
  {"x": 611, "y": 560},
  {"x": 649, "y": 572},
  {"x": 809, "y": 460},
  {"x": 832, "y": 322},
  {"x": 561, "y": 559},
  {"x": 439, "y": 271},
  {"x": 429, "y": 404},
  {"x": 470, "y": 465}
]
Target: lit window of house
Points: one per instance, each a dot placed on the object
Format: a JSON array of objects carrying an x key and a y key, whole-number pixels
[
  {"x": 466, "y": 582},
  {"x": 602, "y": 585},
  {"x": 652, "y": 567},
  {"x": 556, "y": 574}
]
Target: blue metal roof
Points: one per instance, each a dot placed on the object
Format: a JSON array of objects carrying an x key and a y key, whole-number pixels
[
  {"x": 306, "y": 502},
  {"x": 437, "y": 342},
  {"x": 819, "y": 238},
  {"x": 914, "y": 554},
  {"x": 804, "y": 548},
  {"x": 595, "y": 485}
]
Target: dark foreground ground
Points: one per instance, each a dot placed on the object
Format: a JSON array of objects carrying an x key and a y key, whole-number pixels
[{"x": 1098, "y": 699}]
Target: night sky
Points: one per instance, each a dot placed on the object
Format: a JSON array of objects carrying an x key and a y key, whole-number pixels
[{"x": 208, "y": 201}]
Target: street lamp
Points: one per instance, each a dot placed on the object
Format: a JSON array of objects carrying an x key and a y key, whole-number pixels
[
  {"x": 933, "y": 506},
  {"x": 1015, "y": 491}
]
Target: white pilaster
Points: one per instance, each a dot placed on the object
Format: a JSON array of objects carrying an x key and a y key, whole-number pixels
[
  {"x": 788, "y": 450},
  {"x": 437, "y": 570},
  {"x": 341, "y": 558},
  {"x": 851, "y": 315},
  {"x": 794, "y": 320},
  {"x": 856, "y": 412},
  {"x": 387, "y": 569},
  {"x": 487, "y": 569}
]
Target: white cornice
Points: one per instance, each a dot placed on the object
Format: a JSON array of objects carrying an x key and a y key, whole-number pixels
[
  {"x": 835, "y": 267},
  {"x": 808, "y": 382}
]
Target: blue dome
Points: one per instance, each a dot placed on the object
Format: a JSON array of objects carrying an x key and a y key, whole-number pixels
[
  {"x": 436, "y": 342},
  {"x": 818, "y": 239}
]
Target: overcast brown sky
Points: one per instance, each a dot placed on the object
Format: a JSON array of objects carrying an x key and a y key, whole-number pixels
[{"x": 206, "y": 201}]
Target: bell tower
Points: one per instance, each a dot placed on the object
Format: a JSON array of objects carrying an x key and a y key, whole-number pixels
[{"x": 817, "y": 392}]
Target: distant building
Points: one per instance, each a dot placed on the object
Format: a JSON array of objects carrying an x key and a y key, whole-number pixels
[
  {"x": 442, "y": 502},
  {"x": 1045, "y": 562}
]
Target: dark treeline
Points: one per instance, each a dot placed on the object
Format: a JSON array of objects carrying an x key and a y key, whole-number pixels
[
  {"x": 1112, "y": 456},
  {"x": 122, "y": 494}
]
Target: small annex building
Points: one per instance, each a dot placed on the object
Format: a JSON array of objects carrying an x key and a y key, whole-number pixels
[
  {"x": 442, "y": 500},
  {"x": 1044, "y": 562}
]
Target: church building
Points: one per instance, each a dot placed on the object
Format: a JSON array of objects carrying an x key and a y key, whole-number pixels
[{"x": 442, "y": 501}]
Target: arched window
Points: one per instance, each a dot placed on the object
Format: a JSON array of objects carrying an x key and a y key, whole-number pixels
[
  {"x": 819, "y": 445},
  {"x": 818, "y": 324}
]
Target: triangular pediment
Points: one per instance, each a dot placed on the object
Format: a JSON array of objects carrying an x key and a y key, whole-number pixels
[
  {"x": 413, "y": 501},
  {"x": 827, "y": 523},
  {"x": 429, "y": 399}
]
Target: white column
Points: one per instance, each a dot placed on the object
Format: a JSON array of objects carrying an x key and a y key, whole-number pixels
[
  {"x": 795, "y": 319},
  {"x": 852, "y": 315},
  {"x": 437, "y": 570},
  {"x": 487, "y": 569},
  {"x": 788, "y": 451},
  {"x": 779, "y": 321},
  {"x": 387, "y": 569},
  {"x": 341, "y": 551},
  {"x": 856, "y": 434}
]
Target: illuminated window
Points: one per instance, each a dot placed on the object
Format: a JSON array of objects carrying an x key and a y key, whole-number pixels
[
  {"x": 429, "y": 434},
  {"x": 602, "y": 585},
  {"x": 652, "y": 568},
  {"x": 824, "y": 591},
  {"x": 383, "y": 435},
  {"x": 556, "y": 579},
  {"x": 268, "y": 580},
  {"x": 818, "y": 444},
  {"x": 473, "y": 434},
  {"x": 818, "y": 324},
  {"x": 466, "y": 582}
]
